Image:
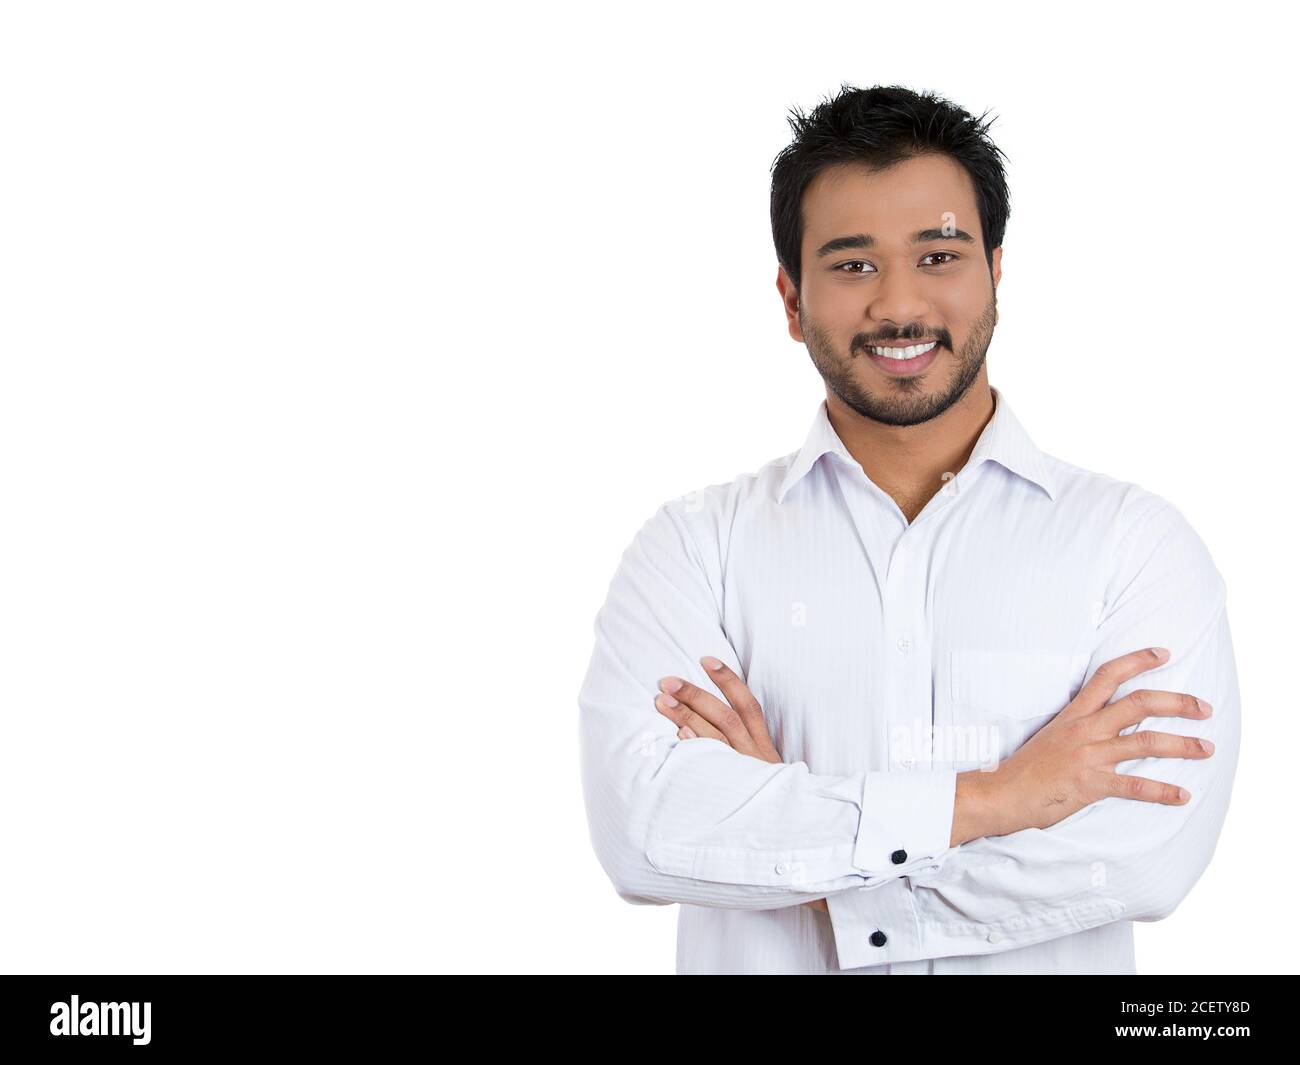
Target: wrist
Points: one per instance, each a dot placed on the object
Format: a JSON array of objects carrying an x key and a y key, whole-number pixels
[{"x": 977, "y": 808}]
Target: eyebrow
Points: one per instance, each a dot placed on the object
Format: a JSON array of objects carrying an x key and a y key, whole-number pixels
[{"x": 862, "y": 241}]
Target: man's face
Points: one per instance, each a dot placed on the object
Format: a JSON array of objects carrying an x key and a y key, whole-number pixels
[{"x": 895, "y": 291}]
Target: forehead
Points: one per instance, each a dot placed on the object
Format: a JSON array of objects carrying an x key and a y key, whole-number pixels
[{"x": 889, "y": 204}]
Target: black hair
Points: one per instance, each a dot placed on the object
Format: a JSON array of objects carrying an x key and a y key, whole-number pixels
[{"x": 882, "y": 126}]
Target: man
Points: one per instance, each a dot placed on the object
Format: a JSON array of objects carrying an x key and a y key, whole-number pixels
[{"x": 918, "y": 697}]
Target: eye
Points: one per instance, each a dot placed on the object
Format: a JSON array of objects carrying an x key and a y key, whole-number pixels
[
  {"x": 951, "y": 257},
  {"x": 854, "y": 262}
]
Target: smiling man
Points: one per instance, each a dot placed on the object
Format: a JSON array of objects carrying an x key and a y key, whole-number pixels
[{"x": 917, "y": 697}]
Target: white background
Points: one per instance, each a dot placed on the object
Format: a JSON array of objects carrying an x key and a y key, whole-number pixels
[{"x": 345, "y": 346}]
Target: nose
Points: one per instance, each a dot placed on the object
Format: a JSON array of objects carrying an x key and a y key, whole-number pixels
[{"x": 899, "y": 299}]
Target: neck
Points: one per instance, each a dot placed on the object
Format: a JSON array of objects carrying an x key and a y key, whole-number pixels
[{"x": 909, "y": 461}]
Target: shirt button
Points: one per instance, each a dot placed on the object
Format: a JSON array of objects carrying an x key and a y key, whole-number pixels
[
  {"x": 898, "y": 857},
  {"x": 995, "y": 937},
  {"x": 782, "y": 868},
  {"x": 878, "y": 938},
  {"x": 904, "y": 645},
  {"x": 907, "y": 763}
]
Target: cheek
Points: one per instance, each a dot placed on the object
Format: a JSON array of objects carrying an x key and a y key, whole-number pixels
[
  {"x": 964, "y": 301},
  {"x": 837, "y": 305},
  {"x": 961, "y": 308},
  {"x": 831, "y": 317}
]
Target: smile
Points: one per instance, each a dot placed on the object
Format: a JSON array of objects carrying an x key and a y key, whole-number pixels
[{"x": 902, "y": 354}]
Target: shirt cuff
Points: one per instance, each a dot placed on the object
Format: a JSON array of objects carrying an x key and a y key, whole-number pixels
[
  {"x": 882, "y": 926},
  {"x": 906, "y": 824}
]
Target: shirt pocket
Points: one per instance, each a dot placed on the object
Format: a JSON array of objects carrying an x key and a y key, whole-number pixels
[{"x": 997, "y": 700}]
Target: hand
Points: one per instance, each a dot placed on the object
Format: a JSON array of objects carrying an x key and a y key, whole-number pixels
[
  {"x": 1070, "y": 762},
  {"x": 738, "y": 722}
]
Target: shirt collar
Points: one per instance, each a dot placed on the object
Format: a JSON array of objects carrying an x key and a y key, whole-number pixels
[{"x": 1003, "y": 440}]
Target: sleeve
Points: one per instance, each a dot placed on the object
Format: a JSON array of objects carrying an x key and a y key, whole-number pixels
[
  {"x": 695, "y": 821},
  {"x": 1116, "y": 859}
]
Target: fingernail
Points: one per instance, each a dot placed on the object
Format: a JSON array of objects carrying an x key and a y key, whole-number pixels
[
  {"x": 685, "y": 733},
  {"x": 668, "y": 700},
  {"x": 1205, "y": 707},
  {"x": 1207, "y": 746},
  {"x": 1184, "y": 794},
  {"x": 670, "y": 684},
  {"x": 710, "y": 663},
  {"x": 1161, "y": 653}
]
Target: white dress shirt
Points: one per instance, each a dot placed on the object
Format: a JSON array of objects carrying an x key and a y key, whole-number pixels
[{"x": 887, "y": 657}]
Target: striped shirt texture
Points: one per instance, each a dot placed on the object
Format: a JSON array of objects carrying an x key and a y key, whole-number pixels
[{"x": 888, "y": 656}]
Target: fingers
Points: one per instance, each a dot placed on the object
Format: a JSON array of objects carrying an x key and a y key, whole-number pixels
[
  {"x": 712, "y": 712},
  {"x": 1148, "y": 744},
  {"x": 1142, "y": 703},
  {"x": 1121, "y": 786},
  {"x": 1107, "y": 678},
  {"x": 742, "y": 701},
  {"x": 685, "y": 718}
]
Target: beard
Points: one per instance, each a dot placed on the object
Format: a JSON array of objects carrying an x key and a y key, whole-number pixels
[{"x": 906, "y": 401}]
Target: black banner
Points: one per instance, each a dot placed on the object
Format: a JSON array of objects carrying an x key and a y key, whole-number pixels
[{"x": 145, "y": 1015}]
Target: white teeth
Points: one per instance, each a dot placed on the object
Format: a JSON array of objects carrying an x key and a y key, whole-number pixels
[{"x": 903, "y": 353}]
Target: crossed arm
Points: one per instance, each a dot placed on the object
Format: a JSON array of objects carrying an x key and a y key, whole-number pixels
[
  {"x": 678, "y": 820},
  {"x": 1066, "y": 766}
]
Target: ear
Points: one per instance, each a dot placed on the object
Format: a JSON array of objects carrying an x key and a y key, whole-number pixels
[
  {"x": 997, "y": 266},
  {"x": 790, "y": 301}
]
